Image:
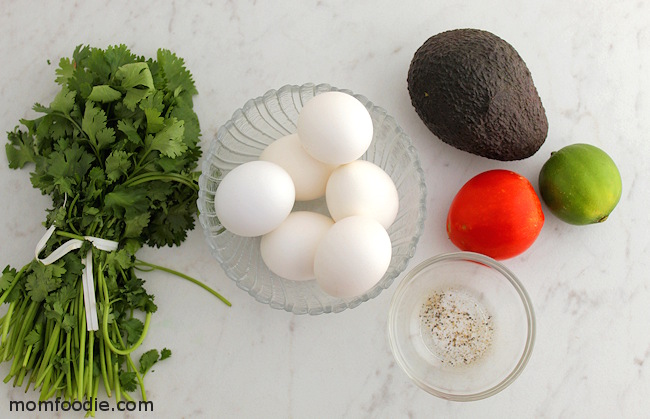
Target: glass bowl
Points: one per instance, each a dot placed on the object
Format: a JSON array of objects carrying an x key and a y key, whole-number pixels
[
  {"x": 258, "y": 123},
  {"x": 482, "y": 346}
]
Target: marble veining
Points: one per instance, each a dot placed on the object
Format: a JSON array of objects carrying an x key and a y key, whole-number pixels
[{"x": 589, "y": 285}]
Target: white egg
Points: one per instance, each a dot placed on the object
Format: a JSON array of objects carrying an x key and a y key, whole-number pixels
[
  {"x": 362, "y": 188},
  {"x": 289, "y": 250},
  {"x": 335, "y": 128},
  {"x": 308, "y": 174},
  {"x": 352, "y": 257},
  {"x": 254, "y": 198}
]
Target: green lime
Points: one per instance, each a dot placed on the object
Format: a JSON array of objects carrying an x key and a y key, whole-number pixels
[{"x": 580, "y": 184}]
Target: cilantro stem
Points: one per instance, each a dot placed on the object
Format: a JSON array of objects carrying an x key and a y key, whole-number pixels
[
  {"x": 44, "y": 375},
  {"x": 6, "y": 320},
  {"x": 187, "y": 277},
  {"x": 49, "y": 352},
  {"x": 151, "y": 176},
  {"x": 11, "y": 343},
  {"x": 128, "y": 397},
  {"x": 129, "y": 361},
  {"x": 91, "y": 364},
  {"x": 82, "y": 347},
  {"x": 107, "y": 339},
  {"x": 28, "y": 352},
  {"x": 126, "y": 351},
  {"x": 20, "y": 342},
  {"x": 118, "y": 386},
  {"x": 109, "y": 365},
  {"x": 94, "y": 396},
  {"x": 102, "y": 365},
  {"x": 68, "y": 376},
  {"x": 69, "y": 222},
  {"x": 46, "y": 384},
  {"x": 55, "y": 386},
  {"x": 109, "y": 224},
  {"x": 69, "y": 235},
  {"x": 20, "y": 378}
]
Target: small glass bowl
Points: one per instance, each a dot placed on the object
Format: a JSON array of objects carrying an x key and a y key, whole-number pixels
[
  {"x": 243, "y": 138},
  {"x": 484, "y": 289}
]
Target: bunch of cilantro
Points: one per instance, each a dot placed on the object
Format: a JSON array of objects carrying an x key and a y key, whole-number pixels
[{"x": 117, "y": 151}]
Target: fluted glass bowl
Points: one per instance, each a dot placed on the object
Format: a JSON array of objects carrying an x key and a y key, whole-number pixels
[
  {"x": 486, "y": 341},
  {"x": 243, "y": 138}
]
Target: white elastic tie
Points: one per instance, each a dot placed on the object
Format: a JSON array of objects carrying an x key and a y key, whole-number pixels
[{"x": 90, "y": 302}]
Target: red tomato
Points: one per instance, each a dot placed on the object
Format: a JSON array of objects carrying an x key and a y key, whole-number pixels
[{"x": 496, "y": 213}]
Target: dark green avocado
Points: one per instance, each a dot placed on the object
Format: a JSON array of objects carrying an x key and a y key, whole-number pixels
[{"x": 474, "y": 92}]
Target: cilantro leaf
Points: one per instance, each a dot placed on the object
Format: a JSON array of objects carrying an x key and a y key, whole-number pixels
[
  {"x": 94, "y": 125},
  {"x": 135, "y": 75},
  {"x": 8, "y": 275},
  {"x": 118, "y": 55},
  {"x": 20, "y": 149},
  {"x": 69, "y": 322},
  {"x": 147, "y": 360},
  {"x": 124, "y": 200},
  {"x": 33, "y": 337},
  {"x": 64, "y": 72},
  {"x": 81, "y": 81},
  {"x": 128, "y": 380},
  {"x": 184, "y": 112},
  {"x": 94, "y": 120},
  {"x": 104, "y": 93},
  {"x": 131, "y": 246},
  {"x": 134, "y": 96},
  {"x": 136, "y": 296},
  {"x": 179, "y": 80},
  {"x": 64, "y": 101},
  {"x": 105, "y": 138},
  {"x": 97, "y": 65},
  {"x": 52, "y": 125},
  {"x": 62, "y": 297},
  {"x": 94, "y": 183},
  {"x": 136, "y": 78},
  {"x": 169, "y": 226},
  {"x": 154, "y": 101},
  {"x": 55, "y": 310},
  {"x": 127, "y": 126},
  {"x": 73, "y": 269},
  {"x": 65, "y": 168},
  {"x": 43, "y": 280},
  {"x": 78, "y": 161},
  {"x": 117, "y": 261},
  {"x": 117, "y": 164},
  {"x": 133, "y": 328},
  {"x": 135, "y": 224},
  {"x": 169, "y": 140},
  {"x": 80, "y": 55},
  {"x": 155, "y": 121}
]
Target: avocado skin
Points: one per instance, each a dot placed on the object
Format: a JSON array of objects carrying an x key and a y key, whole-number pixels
[{"x": 474, "y": 92}]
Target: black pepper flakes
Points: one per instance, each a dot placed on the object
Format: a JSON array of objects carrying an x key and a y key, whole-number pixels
[{"x": 456, "y": 327}]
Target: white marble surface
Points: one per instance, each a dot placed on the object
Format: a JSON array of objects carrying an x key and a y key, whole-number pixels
[{"x": 591, "y": 64}]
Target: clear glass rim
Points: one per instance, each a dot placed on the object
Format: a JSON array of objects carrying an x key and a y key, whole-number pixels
[{"x": 526, "y": 303}]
